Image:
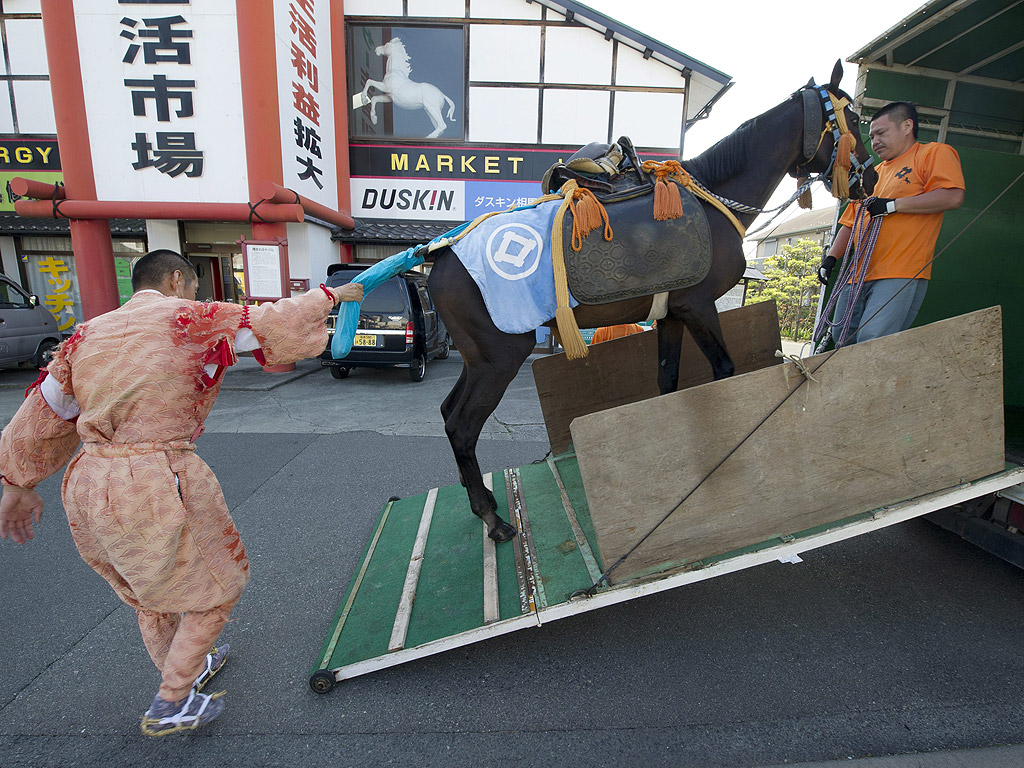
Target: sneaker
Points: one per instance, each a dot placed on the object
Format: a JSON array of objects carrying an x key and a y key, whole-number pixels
[
  {"x": 164, "y": 717},
  {"x": 214, "y": 661}
]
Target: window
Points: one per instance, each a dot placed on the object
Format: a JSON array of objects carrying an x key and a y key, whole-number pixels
[
  {"x": 25, "y": 105},
  {"x": 423, "y": 96}
]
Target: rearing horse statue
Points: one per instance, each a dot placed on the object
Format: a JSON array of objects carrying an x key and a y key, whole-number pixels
[
  {"x": 745, "y": 166},
  {"x": 405, "y": 93}
]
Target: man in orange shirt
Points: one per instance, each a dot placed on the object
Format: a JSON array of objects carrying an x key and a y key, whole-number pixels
[{"x": 917, "y": 183}]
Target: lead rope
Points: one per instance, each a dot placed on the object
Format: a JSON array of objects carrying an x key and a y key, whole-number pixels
[{"x": 856, "y": 261}]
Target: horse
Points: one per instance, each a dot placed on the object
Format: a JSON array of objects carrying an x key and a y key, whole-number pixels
[
  {"x": 403, "y": 92},
  {"x": 747, "y": 165}
]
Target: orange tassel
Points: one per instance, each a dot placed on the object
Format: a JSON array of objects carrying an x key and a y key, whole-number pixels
[
  {"x": 805, "y": 200},
  {"x": 667, "y": 203},
  {"x": 587, "y": 213},
  {"x": 841, "y": 171}
]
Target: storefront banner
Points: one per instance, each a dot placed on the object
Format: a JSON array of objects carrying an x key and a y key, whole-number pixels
[
  {"x": 305, "y": 90},
  {"x": 408, "y": 199},
  {"x": 163, "y": 100}
]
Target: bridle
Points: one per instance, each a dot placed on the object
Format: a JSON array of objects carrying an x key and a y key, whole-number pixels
[{"x": 832, "y": 110}]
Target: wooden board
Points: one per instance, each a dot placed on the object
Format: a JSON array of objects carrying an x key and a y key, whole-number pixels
[
  {"x": 887, "y": 420},
  {"x": 625, "y": 370}
]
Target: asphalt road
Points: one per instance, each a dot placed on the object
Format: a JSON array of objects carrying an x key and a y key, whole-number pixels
[{"x": 906, "y": 641}]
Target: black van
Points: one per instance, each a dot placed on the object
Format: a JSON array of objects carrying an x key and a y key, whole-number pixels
[{"x": 398, "y": 325}]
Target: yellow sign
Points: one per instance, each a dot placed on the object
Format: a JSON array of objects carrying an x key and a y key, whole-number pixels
[{"x": 7, "y": 197}]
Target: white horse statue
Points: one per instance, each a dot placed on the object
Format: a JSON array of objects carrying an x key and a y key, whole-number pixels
[{"x": 405, "y": 93}]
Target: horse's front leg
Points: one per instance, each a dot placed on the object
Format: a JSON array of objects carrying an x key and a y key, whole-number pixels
[
  {"x": 463, "y": 434},
  {"x": 381, "y": 99},
  {"x": 366, "y": 89}
]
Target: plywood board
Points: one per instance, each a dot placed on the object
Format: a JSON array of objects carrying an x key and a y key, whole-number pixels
[
  {"x": 885, "y": 421},
  {"x": 625, "y": 370}
]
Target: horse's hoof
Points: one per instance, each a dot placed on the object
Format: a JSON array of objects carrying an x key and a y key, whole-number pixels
[{"x": 502, "y": 531}]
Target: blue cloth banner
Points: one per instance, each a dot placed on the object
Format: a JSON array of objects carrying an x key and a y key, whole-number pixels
[
  {"x": 382, "y": 271},
  {"x": 509, "y": 258}
]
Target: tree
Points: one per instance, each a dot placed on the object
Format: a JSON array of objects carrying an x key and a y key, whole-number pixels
[{"x": 793, "y": 283}]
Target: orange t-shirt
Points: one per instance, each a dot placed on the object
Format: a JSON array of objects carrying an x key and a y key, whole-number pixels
[{"x": 906, "y": 241}]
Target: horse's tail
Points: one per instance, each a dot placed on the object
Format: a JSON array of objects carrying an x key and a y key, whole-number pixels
[{"x": 451, "y": 107}]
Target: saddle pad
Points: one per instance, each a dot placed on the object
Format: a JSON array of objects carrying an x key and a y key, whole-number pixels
[
  {"x": 509, "y": 258},
  {"x": 644, "y": 256}
]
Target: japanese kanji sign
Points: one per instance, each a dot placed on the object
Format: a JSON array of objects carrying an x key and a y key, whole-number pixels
[
  {"x": 163, "y": 99},
  {"x": 306, "y": 98}
]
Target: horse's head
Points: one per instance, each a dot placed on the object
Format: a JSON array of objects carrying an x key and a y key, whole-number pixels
[
  {"x": 394, "y": 51},
  {"x": 840, "y": 154}
]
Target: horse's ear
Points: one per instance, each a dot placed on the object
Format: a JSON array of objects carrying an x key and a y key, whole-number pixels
[
  {"x": 837, "y": 75},
  {"x": 810, "y": 83}
]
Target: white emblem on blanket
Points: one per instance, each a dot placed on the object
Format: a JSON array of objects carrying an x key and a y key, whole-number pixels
[
  {"x": 509, "y": 258},
  {"x": 514, "y": 249}
]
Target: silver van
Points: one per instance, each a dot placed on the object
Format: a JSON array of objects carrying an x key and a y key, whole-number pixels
[{"x": 28, "y": 331}]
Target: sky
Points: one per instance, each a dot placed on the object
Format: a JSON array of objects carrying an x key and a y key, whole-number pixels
[{"x": 770, "y": 49}]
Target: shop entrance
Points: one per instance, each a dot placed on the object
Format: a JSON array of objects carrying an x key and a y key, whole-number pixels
[{"x": 217, "y": 257}]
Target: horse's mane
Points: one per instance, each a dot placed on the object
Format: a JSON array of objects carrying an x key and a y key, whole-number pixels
[
  {"x": 725, "y": 158},
  {"x": 399, "y": 56}
]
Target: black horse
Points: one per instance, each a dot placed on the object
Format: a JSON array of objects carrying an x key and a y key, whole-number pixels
[{"x": 746, "y": 166}]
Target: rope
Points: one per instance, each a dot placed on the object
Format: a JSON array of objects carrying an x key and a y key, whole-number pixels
[
  {"x": 808, "y": 376},
  {"x": 568, "y": 331},
  {"x": 674, "y": 170},
  {"x": 253, "y": 213},
  {"x": 854, "y": 271}
]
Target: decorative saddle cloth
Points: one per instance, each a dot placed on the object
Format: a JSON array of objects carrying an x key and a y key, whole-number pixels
[{"x": 644, "y": 256}]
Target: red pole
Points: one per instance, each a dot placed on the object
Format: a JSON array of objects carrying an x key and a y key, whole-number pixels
[
  {"x": 90, "y": 240},
  {"x": 37, "y": 190},
  {"x": 275, "y": 193},
  {"x": 260, "y": 114},
  {"x": 341, "y": 118}
]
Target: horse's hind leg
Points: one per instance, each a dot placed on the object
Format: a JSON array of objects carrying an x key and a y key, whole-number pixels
[
  {"x": 449, "y": 405},
  {"x": 701, "y": 318}
]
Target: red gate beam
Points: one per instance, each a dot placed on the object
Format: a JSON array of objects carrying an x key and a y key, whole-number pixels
[
  {"x": 127, "y": 209},
  {"x": 37, "y": 189},
  {"x": 275, "y": 193}
]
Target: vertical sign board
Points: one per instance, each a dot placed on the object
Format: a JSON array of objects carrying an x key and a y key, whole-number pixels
[
  {"x": 305, "y": 89},
  {"x": 163, "y": 99}
]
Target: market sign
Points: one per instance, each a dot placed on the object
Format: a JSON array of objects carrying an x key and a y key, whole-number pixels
[{"x": 163, "y": 100}]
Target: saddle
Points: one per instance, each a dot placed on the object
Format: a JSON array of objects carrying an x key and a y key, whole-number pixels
[
  {"x": 610, "y": 171},
  {"x": 644, "y": 256}
]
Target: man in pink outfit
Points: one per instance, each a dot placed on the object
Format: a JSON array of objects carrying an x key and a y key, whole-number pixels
[{"x": 134, "y": 387}]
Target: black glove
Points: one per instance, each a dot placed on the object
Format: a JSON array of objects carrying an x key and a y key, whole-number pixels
[
  {"x": 825, "y": 269},
  {"x": 882, "y": 206}
]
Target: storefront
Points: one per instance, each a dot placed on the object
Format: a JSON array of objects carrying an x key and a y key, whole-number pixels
[{"x": 456, "y": 109}]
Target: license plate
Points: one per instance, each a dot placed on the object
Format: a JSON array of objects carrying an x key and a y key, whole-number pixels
[{"x": 364, "y": 340}]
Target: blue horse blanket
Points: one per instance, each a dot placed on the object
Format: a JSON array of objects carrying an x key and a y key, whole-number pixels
[{"x": 509, "y": 258}]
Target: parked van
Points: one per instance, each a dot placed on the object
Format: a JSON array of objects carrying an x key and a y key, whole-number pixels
[
  {"x": 28, "y": 331},
  {"x": 398, "y": 325}
]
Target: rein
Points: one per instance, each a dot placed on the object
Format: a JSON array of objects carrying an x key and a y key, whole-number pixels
[{"x": 854, "y": 271}]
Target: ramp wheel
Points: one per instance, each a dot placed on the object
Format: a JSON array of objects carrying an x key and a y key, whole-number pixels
[{"x": 322, "y": 681}]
